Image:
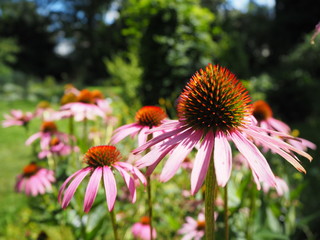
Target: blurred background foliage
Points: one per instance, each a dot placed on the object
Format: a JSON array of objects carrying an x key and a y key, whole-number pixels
[{"x": 146, "y": 50}]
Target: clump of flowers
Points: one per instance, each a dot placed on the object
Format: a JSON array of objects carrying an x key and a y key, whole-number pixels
[
  {"x": 35, "y": 180},
  {"x": 101, "y": 161}
]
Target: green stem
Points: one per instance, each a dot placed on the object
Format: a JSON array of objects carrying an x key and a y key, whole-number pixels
[
  {"x": 149, "y": 204},
  {"x": 85, "y": 132},
  {"x": 226, "y": 213},
  {"x": 210, "y": 201},
  {"x": 251, "y": 214},
  {"x": 114, "y": 225}
]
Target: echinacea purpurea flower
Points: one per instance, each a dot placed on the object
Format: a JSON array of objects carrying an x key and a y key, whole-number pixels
[{"x": 213, "y": 109}]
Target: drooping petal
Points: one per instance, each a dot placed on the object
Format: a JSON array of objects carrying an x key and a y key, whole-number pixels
[
  {"x": 222, "y": 158},
  {"x": 179, "y": 154},
  {"x": 33, "y": 137},
  {"x": 279, "y": 125},
  {"x": 292, "y": 159},
  {"x": 92, "y": 189},
  {"x": 134, "y": 171},
  {"x": 279, "y": 143},
  {"x": 256, "y": 160},
  {"x": 110, "y": 187},
  {"x": 142, "y": 136},
  {"x": 125, "y": 131},
  {"x": 129, "y": 182},
  {"x": 69, "y": 192},
  {"x": 201, "y": 162},
  {"x": 64, "y": 185},
  {"x": 155, "y": 155},
  {"x": 160, "y": 138}
]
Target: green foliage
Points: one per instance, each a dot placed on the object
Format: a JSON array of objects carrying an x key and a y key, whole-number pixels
[
  {"x": 8, "y": 50},
  {"x": 174, "y": 39},
  {"x": 126, "y": 73}
]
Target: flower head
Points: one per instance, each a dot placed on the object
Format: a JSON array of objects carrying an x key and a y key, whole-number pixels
[
  {"x": 213, "y": 109},
  {"x": 101, "y": 160},
  {"x": 141, "y": 230},
  {"x": 17, "y": 118},
  {"x": 146, "y": 118},
  {"x": 193, "y": 229},
  {"x": 214, "y": 100},
  {"x": 34, "y": 180}
]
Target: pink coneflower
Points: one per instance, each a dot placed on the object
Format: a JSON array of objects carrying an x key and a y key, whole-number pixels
[
  {"x": 17, "y": 118},
  {"x": 213, "y": 109},
  {"x": 83, "y": 108},
  {"x": 48, "y": 129},
  {"x": 193, "y": 229},
  {"x": 316, "y": 33},
  {"x": 141, "y": 230},
  {"x": 34, "y": 180},
  {"x": 102, "y": 160},
  {"x": 56, "y": 147},
  {"x": 146, "y": 118},
  {"x": 282, "y": 187},
  {"x": 264, "y": 116}
]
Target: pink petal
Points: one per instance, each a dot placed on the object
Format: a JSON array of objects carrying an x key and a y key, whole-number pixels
[
  {"x": 69, "y": 192},
  {"x": 292, "y": 159},
  {"x": 110, "y": 187},
  {"x": 279, "y": 143},
  {"x": 279, "y": 125},
  {"x": 256, "y": 160},
  {"x": 129, "y": 182},
  {"x": 159, "y": 139},
  {"x": 179, "y": 154},
  {"x": 32, "y": 138},
  {"x": 135, "y": 171},
  {"x": 155, "y": 155},
  {"x": 121, "y": 134},
  {"x": 222, "y": 158},
  {"x": 92, "y": 189},
  {"x": 201, "y": 162},
  {"x": 142, "y": 136},
  {"x": 63, "y": 186},
  {"x": 167, "y": 125}
]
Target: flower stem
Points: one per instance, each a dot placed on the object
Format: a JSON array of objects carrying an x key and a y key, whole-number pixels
[
  {"x": 210, "y": 201},
  {"x": 226, "y": 213},
  {"x": 114, "y": 225},
  {"x": 149, "y": 204},
  {"x": 85, "y": 132},
  {"x": 251, "y": 214}
]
